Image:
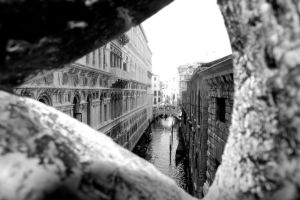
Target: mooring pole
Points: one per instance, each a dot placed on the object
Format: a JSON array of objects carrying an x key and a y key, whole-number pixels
[
  {"x": 170, "y": 153},
  {"x": 172, "y": 131},
  {"x": 171, "y": 142}
]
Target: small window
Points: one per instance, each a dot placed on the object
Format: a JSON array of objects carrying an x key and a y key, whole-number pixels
[
  {"x": 104, "y": 58},
  {"x": 105, "y": 112},
  {"x": 99, "y": 57},
  {"x": 87, "y": 59},
  {"x": 199, "y": 108},
  {"x": 125, "y": 66},
  {"x": 112, "y": 64},
  {"x": 94, "y": 58},
  {"x": 221, "y": 109}
]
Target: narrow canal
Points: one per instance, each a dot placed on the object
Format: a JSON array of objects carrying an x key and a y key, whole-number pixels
[{"x": 159, "y": 145}]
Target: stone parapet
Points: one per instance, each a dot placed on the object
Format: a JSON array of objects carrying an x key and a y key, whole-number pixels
[{"x": 51, "y": 155}]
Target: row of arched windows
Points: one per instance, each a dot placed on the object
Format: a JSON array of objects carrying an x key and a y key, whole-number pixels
[{"x": 117, "y": 107}]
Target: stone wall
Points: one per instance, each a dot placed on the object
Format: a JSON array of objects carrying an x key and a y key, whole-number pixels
[
  {"x": 220, "y": 106},
  {"x": 207, "y": 106}
]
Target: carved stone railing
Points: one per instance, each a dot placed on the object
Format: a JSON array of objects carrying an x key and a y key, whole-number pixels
[{"x": 47, "y": 154}]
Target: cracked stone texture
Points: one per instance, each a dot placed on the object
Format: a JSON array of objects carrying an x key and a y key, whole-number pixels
[
  {"x": 46, "y": 154},
  {"x": 47, "y": 34},
  {"x": 262, "y": 157},
  {"x": 39, "y": 146}
]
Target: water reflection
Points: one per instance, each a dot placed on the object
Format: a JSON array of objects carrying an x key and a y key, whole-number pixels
[{"x": 159, "y": 148}]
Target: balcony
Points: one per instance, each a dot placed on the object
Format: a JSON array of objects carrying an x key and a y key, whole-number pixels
[{"x": 120, "y": 73}]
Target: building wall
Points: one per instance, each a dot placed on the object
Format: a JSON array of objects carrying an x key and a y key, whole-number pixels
[
  {"x": 156, "y": 90},
  {"x": 109, "y": 88},
  {"x": 206, "y": 107},
  {"x": 185, "y": 72}
]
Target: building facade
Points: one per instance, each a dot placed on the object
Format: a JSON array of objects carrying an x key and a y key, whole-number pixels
[
  {"x": 185, "y": 72},
  {"x": 206, "y": 116},
  {"x": 156, "y": 90},
  {"x": 109, "y": 89},
  {"x": 170, "y": 91}
]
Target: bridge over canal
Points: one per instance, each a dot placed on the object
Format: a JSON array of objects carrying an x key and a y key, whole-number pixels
[{"x": 165, "y": 111}]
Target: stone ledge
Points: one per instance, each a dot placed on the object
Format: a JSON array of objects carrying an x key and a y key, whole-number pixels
[{"x": 49, "y": 154}]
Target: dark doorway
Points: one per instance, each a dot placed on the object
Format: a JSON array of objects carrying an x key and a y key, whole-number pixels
[
  {"x": 89, "y": 105},
  {"x": 76, "y": 114}
]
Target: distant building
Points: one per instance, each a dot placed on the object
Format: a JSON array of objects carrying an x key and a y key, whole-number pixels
[
  {"x": 170, "y": 91},
  {"x": 109, "y": 89},
  {"x": 156, "y": 90},
  {"x": 185, "y": 73}
]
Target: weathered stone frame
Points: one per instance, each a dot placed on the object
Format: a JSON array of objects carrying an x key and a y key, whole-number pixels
[{"x": 265, "y": 41}]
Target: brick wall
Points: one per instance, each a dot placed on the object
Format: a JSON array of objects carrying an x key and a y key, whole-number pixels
[{"x": 207, "y": 106}]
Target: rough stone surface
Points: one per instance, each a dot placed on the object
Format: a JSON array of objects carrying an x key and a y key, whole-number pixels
[
  {"x": 206, "y": 134},
  {"x": 47, "y": 34},
  {"x": 262, "y": 156},
  {"x": 261, "y": 159},
  {"x": 46, "y": 154}
]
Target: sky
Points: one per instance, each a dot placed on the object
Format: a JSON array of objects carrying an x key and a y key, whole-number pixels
[{"x": 186, "y": 31}]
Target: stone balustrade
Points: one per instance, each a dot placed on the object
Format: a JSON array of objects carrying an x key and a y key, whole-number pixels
[{"x": 45, "y": 154}]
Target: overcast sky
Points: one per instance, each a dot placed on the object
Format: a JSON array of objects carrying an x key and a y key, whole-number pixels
[{"x": 186, "y": 31}]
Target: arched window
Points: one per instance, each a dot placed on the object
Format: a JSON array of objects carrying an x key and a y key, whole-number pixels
[
  {"x": 195, "y": 105},
  {"x": 76, "y": 114},
  {"x": 94, "y": 58},
  {"x": 45, "y": 99},
  {"x": 87, "y": 59},
  {"x": 105, "y": 112},
  {"x": 112, "y": 106},
  {"x": 100, "y": 111},
  {"x": 89, "y": 105},
  {"x": 104, "y": 58},
  {"x": 199, "y": 108},
  {"x": 99, "y": 57}
]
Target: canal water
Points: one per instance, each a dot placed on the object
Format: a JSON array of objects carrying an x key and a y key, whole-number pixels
[{"x": 158, "y": 146}]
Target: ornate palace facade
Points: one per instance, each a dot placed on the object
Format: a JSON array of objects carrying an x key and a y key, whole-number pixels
[{"x": 109, "y": 88}]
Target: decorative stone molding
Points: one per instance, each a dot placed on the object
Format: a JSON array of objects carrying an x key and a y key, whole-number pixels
[
  {"x": 95, "y": 104},
  {"x": 82, "y": 72},
  {"x": 123, "y": 39},
  {"x": 75, "y": 80},
  {"x": 27, "y": 92},
  {"x": 49, "y": 79},
  {"x": 65, "y": 78},
  {"x": 73, "y": 70}
]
